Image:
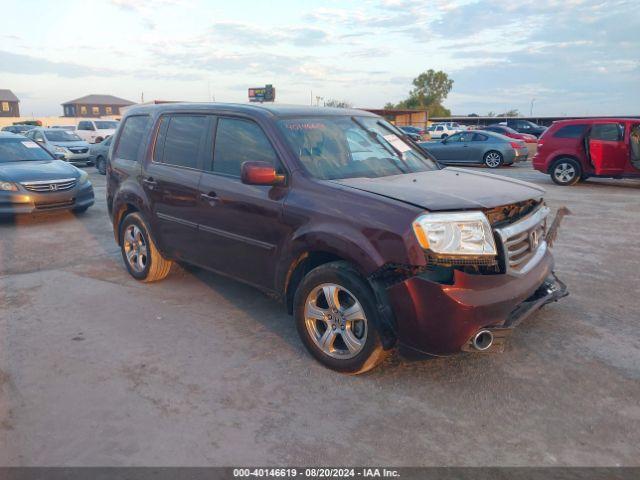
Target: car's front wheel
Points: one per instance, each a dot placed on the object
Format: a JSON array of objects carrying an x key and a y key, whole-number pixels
[
  {"x": 139, "y": 252},
  {"x": 335, "y": 316},
  {"x": 566, "y": 172}
]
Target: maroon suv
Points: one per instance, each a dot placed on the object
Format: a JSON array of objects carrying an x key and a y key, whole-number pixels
[{"x": 366, "y": 240}]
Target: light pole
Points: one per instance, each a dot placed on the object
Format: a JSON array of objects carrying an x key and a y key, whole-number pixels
[{"x": 531, "y": 109}]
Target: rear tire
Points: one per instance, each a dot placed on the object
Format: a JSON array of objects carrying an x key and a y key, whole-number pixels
[
  {"x": 493, "y": 159},
  {"x": 336, "y": 318},
  {"x": 565, "y": 172},
  {"x": 139, "y": 252}
]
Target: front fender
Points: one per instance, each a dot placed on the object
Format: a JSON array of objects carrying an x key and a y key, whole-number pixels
[{"x": 343, "y": 242}]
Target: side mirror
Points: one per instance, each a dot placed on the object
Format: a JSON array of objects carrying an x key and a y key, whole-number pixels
[{"x": 260, "y": 173}]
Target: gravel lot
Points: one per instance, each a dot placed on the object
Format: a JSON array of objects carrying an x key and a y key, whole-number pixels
[{"x": 96, "y": 369}]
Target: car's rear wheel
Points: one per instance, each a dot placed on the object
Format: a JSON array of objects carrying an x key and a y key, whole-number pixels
[
  {"x": 493, "y": 159},
  {"x": 99, "y": 140},
  {"x": 443, "y": 136},
  {"x": 335, "y": 316},
  {"x": 139, "y": 252},
  {"x": 565, "y": 172},
  {"x": 101, "y": 165}
]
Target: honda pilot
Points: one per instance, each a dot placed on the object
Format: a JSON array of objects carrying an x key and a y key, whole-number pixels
[{"x": 367, "y": 241}]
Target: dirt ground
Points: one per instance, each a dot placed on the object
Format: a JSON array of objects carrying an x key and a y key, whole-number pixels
[{"x": 97, "y": 369}]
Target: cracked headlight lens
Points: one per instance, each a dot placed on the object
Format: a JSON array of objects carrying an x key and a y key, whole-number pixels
[{"x": 455, "y": 234}]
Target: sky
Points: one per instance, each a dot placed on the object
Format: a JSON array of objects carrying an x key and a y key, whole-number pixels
[{"x": 561, "y": 57}]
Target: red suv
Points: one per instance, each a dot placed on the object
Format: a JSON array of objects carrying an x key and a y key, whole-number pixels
[{"x": 573, "y": 150}]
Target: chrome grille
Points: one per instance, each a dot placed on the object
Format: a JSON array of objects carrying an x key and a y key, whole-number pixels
[
  {"x": 523, "y": 242},
  {"x": 78, "y": 149},
  {"x": 50, "y": 186}
]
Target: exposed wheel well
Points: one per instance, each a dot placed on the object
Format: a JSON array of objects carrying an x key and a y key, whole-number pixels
[
  {"x": 120, "y": 214},
  {"x": 306, "y": 263}
]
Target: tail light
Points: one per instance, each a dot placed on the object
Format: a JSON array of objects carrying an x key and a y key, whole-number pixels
[{"x": 516, "y": 145}]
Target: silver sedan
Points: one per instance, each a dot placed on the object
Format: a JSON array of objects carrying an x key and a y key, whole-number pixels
[{"x": 488, "y": 148}]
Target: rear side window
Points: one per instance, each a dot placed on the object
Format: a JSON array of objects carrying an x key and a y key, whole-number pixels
[
  {"x": 571, "y": 131},
  {"x": 181, "y": 139},
  {"x": 478, "y": 137},
  {"x": 612, "y": 132},
  {"x": 133, "y": 136},
  {"x": 239, "y": 141}
]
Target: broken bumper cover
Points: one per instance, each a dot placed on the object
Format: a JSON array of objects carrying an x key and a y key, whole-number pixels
[{"x": 440, "y": 319}]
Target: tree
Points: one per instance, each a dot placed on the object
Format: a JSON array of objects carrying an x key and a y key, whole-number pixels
[
  {"x": 338, "y": 103},
  {"x": 511, "y": 113},
  {"x": 430, "y": 90}
]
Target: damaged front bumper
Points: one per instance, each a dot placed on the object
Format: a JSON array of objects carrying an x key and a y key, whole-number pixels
[{"x": 443, "y": 318}]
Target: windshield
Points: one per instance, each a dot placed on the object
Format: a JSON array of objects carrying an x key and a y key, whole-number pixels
[
  {"x": 106, "y": 125},
  {"x": 21, "y": 150},
  {"x": 348, "y": 147},
  {"x": 60, "y": 135}
]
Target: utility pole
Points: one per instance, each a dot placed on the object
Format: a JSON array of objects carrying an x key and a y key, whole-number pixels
[{"x": 531, "y": 109}]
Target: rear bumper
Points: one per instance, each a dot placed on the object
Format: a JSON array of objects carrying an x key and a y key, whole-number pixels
[
  {"x": 440, "y": 319},
  {"x": 24, "y": 202}
]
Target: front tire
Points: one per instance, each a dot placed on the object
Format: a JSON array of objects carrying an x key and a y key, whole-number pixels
[
  {"x": 493, "y": 159},
  {"x": 139, "y": 252},
  {"x": 336, "y": 318},
  {"x": 565, "y": 172}
]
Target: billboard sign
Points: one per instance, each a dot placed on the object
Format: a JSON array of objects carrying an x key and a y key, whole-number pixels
[{"x": 262, "y": 94}]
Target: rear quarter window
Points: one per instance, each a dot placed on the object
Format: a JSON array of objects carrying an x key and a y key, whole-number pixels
[
  {"x": 133, "y": 137},
  {"x": 571, "y": 131}
]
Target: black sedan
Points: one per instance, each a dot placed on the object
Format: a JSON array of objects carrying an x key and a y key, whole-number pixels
[{"x": 32, "y": 180}]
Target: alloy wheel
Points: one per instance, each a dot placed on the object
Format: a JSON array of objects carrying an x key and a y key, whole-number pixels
[
  {"x": 564, "y": 172},
  {"x": 135, "y": 247},
  {"x": 492, "y": 159},
  {"x": 335, "y": 321}
]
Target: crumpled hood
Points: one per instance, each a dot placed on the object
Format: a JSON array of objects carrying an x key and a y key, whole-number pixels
[
  {"x": 37, "y": 170},
  {"x": 448, "y": 189}
]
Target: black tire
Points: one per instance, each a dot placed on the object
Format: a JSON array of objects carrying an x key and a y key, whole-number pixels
[
  {"x": 443, "y": 136},
  {"x": 565, "y": 172},
  {"x": 343, "y": 275},
  {"x": 80, "y": 210},
  {"x": 101, "y": 165},
  {"x": 98, "y": 140},
  {"x": 156, "y": 267},
  {"x": 493, "y": 159}
]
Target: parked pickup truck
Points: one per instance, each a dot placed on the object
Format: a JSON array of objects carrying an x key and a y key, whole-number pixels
[
  {"x": 367, "y": 240},
  {"x": 95, "y": 131}
]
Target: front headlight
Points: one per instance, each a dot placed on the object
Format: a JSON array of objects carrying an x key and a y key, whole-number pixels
[
  {"x": 8, "y": 186},
  {"x": 59, "y": 149},
  {"x": 84, "y": 177},
  {"x": 455, "y": 234}
]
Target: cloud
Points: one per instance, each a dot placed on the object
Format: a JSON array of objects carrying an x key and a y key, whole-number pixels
[
  {"x": 246, "y": 34},
  {"x": 16, "y": 63}
]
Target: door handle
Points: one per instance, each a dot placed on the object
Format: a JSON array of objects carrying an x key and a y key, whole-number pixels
[
  {"x": 209, "y": 197},
  {"x": 150, "y": 182}
]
